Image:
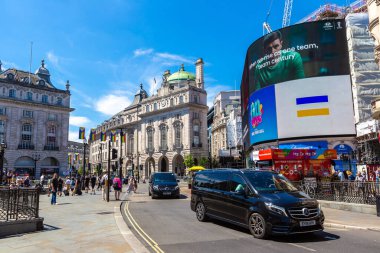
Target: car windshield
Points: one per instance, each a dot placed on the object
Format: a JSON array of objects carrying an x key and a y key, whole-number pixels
[
  {"x": 265, "y": 181},
  {"x": 164, "y": 177}
]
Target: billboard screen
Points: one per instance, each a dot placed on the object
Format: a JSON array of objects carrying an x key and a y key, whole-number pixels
[{"x": 308, "y": 68}]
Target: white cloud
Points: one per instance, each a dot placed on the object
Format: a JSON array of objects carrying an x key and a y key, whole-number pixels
[
  {"x": 8, "y": 65},
  {"x": 52, "y": 58},
  {"x": 140, "y": 52},
  {"x": 74, "y": 136},
  {"x": 174, "y": 57},
  {"x": 212, "y": 91},
  {"x": 79, "y": 121},
  {"x": 111, "y": 104}
]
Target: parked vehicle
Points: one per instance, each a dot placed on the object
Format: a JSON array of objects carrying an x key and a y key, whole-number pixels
[
  {"x": 163, "y": 184},
  {"x": 262, "y": 201}
]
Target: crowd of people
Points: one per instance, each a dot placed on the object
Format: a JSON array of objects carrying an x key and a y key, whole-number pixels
[{"x": 58, "y": 186}]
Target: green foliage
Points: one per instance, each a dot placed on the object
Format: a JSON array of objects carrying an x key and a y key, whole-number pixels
[
  {"x": 203, "y": 162},
  {"x": 98, "y": 170},
  {"x": 80, "y": 171},
  {"x": 189, "y": 161}
]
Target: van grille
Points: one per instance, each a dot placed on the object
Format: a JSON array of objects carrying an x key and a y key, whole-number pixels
[{"x": 303, "y": 212}]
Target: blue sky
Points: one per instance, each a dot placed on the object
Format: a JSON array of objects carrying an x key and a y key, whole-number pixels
[{"x": 107, "y": 48}]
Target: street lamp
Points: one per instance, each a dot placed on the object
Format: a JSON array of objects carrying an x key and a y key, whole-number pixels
[
  {"x": 3, "y": 146},
  {"x": 36, "y": 157},
  {"x": 84, "y": 156}
]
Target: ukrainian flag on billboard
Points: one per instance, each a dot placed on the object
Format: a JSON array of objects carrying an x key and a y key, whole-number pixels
[
  {"x": 113, "y": 136},
  {"x": 82, "y": 134},
  {"x": 103, "y": 136}
]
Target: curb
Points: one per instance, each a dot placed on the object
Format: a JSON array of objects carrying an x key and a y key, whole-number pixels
[
  {"x": 127, "y": 234},
  {"x": 335, "y": 225}
]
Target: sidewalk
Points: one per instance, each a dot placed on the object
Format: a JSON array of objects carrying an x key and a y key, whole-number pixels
[{"x": 77, "y": 224}]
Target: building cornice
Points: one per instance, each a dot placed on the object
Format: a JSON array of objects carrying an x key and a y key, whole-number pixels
[
  {"x": 35, "y": 104},
  {"x": 33, "y": 86}
]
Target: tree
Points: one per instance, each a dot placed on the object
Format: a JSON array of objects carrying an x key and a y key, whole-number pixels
[
  {"x": 80, "y": 171},
  {"x": 188, "y": 161},
  {"x": 203, "y": 162},
  {"x": 98, "y": 170}
]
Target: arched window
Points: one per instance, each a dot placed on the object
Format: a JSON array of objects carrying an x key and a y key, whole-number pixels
[
  {"x": 59, "y": 101},
  {"x": 44, "y": 98},
  {"x": 12, "y": 93},
  {"x": 26, "y": 136},
  {"x": 164, "y": 137},
  {"x": 149, "y": 133},
  {"x": 180, "y": 99},
  {"x": 155, "y": 106},
  {"x": 29, "y": 96},
  {"x": 147, "y": 108},
  {"x": 2, "y": 131}
]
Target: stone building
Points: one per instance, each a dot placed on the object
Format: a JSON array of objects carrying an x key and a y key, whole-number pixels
[
  {"x": 374, "y": 26},
  {"x": 159, "y": 129},
  {"x": 226, "y": 129},
  {"x": 76, "y": 155},
  {"x": 34, "y": 122}
]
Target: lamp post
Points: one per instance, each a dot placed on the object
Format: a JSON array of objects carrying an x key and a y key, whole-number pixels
[
  {"x": 36, "y": 157},
  {"x": 84, "y": 156},
  {"x": 3, "y": 146}
]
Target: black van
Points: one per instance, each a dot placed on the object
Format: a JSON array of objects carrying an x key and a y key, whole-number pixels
[
  {"x": 261, "y": 200},
  {"x": 163, "y": 184}
]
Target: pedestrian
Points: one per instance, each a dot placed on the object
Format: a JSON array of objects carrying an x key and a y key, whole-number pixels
[
  {"x": 54, "y": 189},
  {"x": 116, "y": 183},
  {"x": 72, "y": 185},
  {"x": 68, "y": 186},
  {"x": 93, "y": 182},
  {"x": 42, "y": 178},
  {"x": 87, "y": 183},
  {"x": 360, "y": 179},
  {"x": 131, "y": 184},
  {"x": 99, "y": 183},
  {"x": 27, "y": 182},
  {"x": 60, "y": 186},
  {"x": 105, "y": 185}
]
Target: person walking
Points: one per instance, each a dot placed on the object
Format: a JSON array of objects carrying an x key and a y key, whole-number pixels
[
  {"x": 93, "y": 182},
  {"x": 105, "y": 185},
  {"x": 68, "y": 186},
  {"x": 42, "y": 178},
  {"x": 54, "y": 189},
  {"x": 116, "y": 183},
  {"x": 87, "y": 183},
  {"x": 60, "y": 186},
  {"x": 99, "y": 183}
]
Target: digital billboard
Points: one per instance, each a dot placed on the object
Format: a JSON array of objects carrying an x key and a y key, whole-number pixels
[{"x": 307, "y": 65}]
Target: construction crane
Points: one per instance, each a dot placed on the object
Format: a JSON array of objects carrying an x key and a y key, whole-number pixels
[
  {"x": 287, "y": 13},
  {"x": 266, "y": 26}
]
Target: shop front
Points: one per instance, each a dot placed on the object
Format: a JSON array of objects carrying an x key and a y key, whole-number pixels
[{"x": 297, "y": 164}]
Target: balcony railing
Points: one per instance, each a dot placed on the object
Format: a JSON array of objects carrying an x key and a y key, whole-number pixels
[
  {"x": 199, "y": 145},
  {"x": 52, "y": 148},
  {"x": 25, "y": 146},
  {"x": 178, "y": 146},
  {"x": 163, "y": 148},
  {"x": 149, "y": 150}
]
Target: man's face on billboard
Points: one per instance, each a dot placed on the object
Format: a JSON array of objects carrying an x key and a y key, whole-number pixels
[{"x": 274, "y": 46}]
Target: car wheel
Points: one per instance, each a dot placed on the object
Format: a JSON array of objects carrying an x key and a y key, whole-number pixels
[
  {"x": 257, "y": 226},
  {"x": 150, "y": 194},
  {"x": 200, "y": 211},
  {"x": 178, "y": 196}
]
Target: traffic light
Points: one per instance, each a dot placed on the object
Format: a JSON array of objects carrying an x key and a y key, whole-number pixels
[{"x": 114, "y": 154}]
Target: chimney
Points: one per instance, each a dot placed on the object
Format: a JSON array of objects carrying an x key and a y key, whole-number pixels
[{"x": 199, "y": 73}]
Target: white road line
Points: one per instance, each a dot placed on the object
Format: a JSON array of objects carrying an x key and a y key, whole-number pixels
[{"x": 302, "y": 247}]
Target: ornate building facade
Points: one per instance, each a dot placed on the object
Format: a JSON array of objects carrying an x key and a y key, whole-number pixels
[
  {"x": 34, "y": 122},
  {"x": 159, "y": 129},
  {"x": 374, "y": 26}
]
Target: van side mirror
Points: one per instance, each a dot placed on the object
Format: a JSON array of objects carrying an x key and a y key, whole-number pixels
[
  {"x": 241, "y": 192},
  {"x": 177, "y": 180}
]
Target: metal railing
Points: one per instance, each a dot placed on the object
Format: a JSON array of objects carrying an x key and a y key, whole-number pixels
[
  {"x": 18, "y": 204},
  {"x": 350, "y": 192}
]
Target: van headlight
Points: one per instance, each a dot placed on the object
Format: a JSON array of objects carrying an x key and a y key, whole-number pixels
[
  {"x": 155, "y": 187},
  {"x": 176, "y": 188},
  {"x": 276, "y": 209}
]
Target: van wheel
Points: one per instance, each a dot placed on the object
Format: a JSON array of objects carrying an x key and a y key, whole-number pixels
[
  {"x": 200, "y": 211},
  {"x": 257, "y": 226}
]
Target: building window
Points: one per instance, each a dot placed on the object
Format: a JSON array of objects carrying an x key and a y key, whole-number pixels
[
  {"x": 12, "y": 93},
  {"x": 51, "y": 138},
  {"x": 196, "y": 99},
  {"x": 27, "y": 114},
  {"x": 26, "y": 135},
  {"x": 59, "y": 101},
  {"x": 44, "y": 99},
  {"x": 196, "y": 134},
  {"x": 180, "y": 99},
  {"x": 177, "y": 133},
  {"x": 130, "y": 144},
  {"x": 29, "y": 96},
  {"x": 155, "y": 106},
  {"x": 171, "y": 102},
  {"x": 164, "y": 137},
  {"x": 147, "y": 108},
  {"x": 150, "y": 139},
  {"x": 3, "y": 111},
  {"x": 2, "y": 131}
]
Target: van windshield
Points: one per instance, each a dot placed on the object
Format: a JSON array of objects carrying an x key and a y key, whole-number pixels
[
  {"x": 264, "y": 181},
  {"x": 164, "y": 177}
]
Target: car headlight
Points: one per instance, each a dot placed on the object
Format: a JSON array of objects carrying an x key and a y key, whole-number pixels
[
  {"x": 176, "y": 188},
  {"x": 319, "y": 208},
  {"x": 276, "y": 209},
  {"x": 155, "y": 187}
]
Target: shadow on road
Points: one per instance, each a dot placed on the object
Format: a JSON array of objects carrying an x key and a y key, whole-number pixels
[{"x": 295, "y": 238}]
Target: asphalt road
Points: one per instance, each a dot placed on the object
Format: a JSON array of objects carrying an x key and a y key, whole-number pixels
[{"x": 169, "y": 225}]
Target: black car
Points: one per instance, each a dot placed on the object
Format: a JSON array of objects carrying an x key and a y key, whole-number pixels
[
  {"x": 262, "y": 201},
  {"x": 163, "y": 184}
]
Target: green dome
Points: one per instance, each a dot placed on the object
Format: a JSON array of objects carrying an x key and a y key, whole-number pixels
[{"x": 181, "y": 75}]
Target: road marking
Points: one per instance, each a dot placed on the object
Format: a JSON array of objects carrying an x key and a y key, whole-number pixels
[
  {"x": 141, "y": 232},
  {"x": 302, "y": 247}
]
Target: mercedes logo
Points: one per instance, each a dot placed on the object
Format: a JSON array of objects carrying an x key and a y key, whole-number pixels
[{"x": 305, "y": 211}]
